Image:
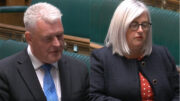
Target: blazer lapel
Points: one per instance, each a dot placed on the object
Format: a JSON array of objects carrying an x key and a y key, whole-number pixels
[
  {"x": 65, "y": 79},
  {"x": 29, "y": 76}
]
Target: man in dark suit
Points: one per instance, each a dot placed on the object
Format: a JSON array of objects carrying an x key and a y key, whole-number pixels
[{"x": 23, "y": 76}]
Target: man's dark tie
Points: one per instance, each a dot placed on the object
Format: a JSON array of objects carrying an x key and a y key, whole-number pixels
[{"x": 48, "y": 84}]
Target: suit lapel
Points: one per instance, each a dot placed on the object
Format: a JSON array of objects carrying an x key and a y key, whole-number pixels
[
  {"x": 29, "y": 76},
  {"x": 65, "y": 79}
]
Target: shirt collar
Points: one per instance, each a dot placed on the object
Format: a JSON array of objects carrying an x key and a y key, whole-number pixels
[{"x": 36, "y": 62}]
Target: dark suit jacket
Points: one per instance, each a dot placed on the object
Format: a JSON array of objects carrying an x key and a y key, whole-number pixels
[
  {"x": 115, "y": 78},
  {"x": 18, "y": 80}
]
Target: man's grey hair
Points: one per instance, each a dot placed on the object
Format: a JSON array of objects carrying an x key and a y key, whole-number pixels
[
  {"x": 41, "y": 11},
  {"x": 124, "y": 14}
]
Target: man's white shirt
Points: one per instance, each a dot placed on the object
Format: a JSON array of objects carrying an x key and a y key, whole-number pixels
[{"x": 40, "y": 72}]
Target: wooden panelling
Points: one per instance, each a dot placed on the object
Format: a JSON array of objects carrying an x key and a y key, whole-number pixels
[
  {"x": 11, "y": 32},
  {"x": 15, "y": 2},
  {"x": 94, "y": 46},
  {"x": 12, "y": 18},
  {"x": 173, "y": 5},
  {"x": 2, "y": 2},
  {"x": 164, "y": 4},
  {"x": 28, "y": 2},
  {"x": 17, "y": 33},
  {"x": 81, "y": 43}
]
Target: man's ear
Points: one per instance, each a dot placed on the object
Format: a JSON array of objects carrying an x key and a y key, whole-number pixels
[{"x": 28, "y": 37}]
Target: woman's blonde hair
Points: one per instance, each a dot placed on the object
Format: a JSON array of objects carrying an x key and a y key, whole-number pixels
[{"x": 124, "y": 14}]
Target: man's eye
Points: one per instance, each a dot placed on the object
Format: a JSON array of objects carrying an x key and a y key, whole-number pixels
[
  {"x": 48, "y": 39},
  {"x": 59, "y": 36}
]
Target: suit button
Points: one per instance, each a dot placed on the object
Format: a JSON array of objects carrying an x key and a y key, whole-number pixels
[
  {"x": 154, "y": 81},
  {"x": 143, "y": 63}
]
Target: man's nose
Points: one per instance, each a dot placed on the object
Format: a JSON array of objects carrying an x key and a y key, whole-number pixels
[{"x": 56, "y": 41}]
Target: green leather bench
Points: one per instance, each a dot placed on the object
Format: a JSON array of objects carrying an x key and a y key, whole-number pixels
[
  {"x": 10, "y": 47},
  {"x": 165, "y": 30},
  {"x": 1, "y": 42},
  {"x": 11, "y": 9}
]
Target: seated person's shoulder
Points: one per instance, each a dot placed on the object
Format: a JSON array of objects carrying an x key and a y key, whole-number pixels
[
  {"x": 102, "y": 51},
  {"x": 73, "y": 62}
]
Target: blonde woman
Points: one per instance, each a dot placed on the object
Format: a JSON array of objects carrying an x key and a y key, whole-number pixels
[{"x": 129, "y": 67}]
